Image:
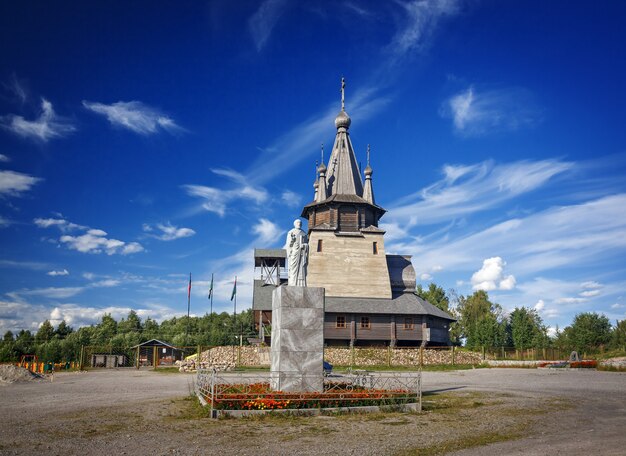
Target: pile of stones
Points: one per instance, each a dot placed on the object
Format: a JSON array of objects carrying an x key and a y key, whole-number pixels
[
  {"x": 12, "y": 374},
  {"x": 619, "y": 363},
  {"x": 342, "y": 356}
]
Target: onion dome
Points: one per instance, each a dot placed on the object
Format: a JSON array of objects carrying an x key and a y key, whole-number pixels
[{"x": 343, "y": 120}]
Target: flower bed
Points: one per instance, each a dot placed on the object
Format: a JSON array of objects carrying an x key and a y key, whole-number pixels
[
  {"x": 587, "y": 364},
  {"x": 259, "y": 396}
]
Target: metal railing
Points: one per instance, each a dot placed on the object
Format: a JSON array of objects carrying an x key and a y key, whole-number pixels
[{"x": 260, "y": 391}]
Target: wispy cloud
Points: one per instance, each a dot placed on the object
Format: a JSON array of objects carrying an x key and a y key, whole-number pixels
[
  {"x": 4, "y": 158},
  {"x": 290, "y": 199},
  {"x": 422, "y": 18},
  {"x": 49, "y": 293},
  {"x": 549, "y": 239},
  {"x": 13, "y": 183},
  {"x": 47, "y": 126},
  {"x": 467, "y": 189},
  {"x": 4, "y": 222},
  {"x": 267, "y": 235},
  {"x": 91, "y": 241},
  {"x": 216, "y": 200},
  {"x": 135, "y": 116},
  {"x": 33, "y": 265},
  {"x": 475, "y": 113},
  {"x": 55, "y": 273},
  {"x": 264, "y": 20},
  {"x": 304, "y": 139},
  {"x": 16, "y": 88},
  {"x": 167, "y": 231},
  {"x": 60, "y": 223}
]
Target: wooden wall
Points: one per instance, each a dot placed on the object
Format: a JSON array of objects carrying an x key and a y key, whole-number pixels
[{"x": 347, "y": 266}]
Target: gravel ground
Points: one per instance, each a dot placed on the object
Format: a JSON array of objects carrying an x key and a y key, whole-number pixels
[{"x": 142, "y": 412}]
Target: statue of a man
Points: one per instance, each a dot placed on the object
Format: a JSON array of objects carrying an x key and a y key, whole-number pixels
[{"x": 297, "y": 255}]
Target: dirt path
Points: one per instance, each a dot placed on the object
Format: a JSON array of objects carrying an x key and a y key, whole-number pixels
[{"x": 141, "y": 412}]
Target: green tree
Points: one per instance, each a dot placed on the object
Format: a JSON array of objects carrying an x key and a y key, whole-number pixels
[
  {"x": 45, "y": 332},
  {"x": 8, "y": 337},
  {"x": 618, "y": 337},
  {"x": 527, "y": 329},
  {"x": 105, "y": 330},
  {"x": 482, "y": 322},
  {"x": 132, "y": 323},
  {"x": 589, "y": 331},
  {"x": 63, "y": 330},
  {"x": 434, "y": 295}
]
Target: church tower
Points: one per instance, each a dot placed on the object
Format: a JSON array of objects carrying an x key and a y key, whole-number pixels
[{"x": 346, "y": 247}]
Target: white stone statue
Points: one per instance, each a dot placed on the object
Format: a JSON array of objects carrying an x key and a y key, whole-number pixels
[{"x": 297, "y": 255}]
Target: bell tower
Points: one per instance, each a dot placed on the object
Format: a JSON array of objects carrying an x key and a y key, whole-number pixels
[{"x": 346, "y": 247}]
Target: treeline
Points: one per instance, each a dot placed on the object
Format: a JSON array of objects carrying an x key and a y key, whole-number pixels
[
  {"x": 63, "y": 343},
  {"x": 482, "y": 323}
]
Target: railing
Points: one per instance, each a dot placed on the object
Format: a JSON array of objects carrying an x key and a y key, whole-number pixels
[{"x": 254, "y": 391}]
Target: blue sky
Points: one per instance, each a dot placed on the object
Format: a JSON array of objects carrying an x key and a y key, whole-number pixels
[{"x": 139, "y": 143}]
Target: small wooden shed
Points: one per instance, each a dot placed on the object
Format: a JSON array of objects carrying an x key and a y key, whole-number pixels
[{"x": 156, "y": 353}]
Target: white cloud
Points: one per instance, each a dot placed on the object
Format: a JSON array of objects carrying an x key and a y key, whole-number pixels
[
  {"x": 617, "y": 306},
  {"x": 589, "y": 293},
  {"x": 107, "y": 283},
  {"x": 4, "y": 222},
  {"x": 13, "y": 183},
  {"x": 570, "y": 300},
  {"x": 291, "y": 199},
  {"x": 268, "y": 235},
  {"x": 169, "y": 232},
  {"x": 62, "y": 272},
  {"x": 135, "y": 116},
  {"x": 591, "y": 285},
  {"x": 540, "y": 305},
  {"x": 264, "y": 20},
  {"x": 476, "y": 112},
  {"x": 303, "y": 140},
  {"x": 50, "y": 292},
  {"x": 47, "y": 126},
  {"x": 467, "y": 189},
  {"x": 92, "y": 241},
  {"x": 422, "y": 18},
  {"x": 491, "y": 276},
  {"x": 77, "y": 316},
  {"x": 60, "y": 223},
  {"x": 266, "y": 231},
  {"x": 425, "y": 276},
  {"x": 216, "y": 200},
  {"x": 4, "y": 158},
  {"x": 546, "y": 240}
]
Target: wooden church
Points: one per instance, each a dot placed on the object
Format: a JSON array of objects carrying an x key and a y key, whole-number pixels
[{"x": 370, "y": 296}]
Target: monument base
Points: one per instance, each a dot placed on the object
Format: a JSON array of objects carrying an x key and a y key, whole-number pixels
[{"x": 297, "y": 353}]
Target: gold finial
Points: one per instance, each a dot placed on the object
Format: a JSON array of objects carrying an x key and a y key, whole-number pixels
[{"x": 343, "y": 94}]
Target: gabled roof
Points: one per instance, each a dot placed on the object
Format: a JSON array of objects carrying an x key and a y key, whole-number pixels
[
  {"x": 152, "y": 343},
  {"x": 399, "y": 304}
]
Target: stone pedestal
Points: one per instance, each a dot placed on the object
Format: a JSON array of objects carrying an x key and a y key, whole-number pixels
[{"x": 297, "y": 353}]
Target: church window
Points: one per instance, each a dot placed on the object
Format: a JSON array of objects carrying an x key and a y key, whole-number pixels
[
  {"x": 375, "y": 248},
  {"x": 365, "y": 322},
  {"x": 341, "y": 321},
  {"x": 408, "y": 323},
  {"x": 319, "y": 245}
]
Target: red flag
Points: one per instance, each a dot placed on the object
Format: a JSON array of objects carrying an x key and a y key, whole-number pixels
[{"x": 189, "y": 287}]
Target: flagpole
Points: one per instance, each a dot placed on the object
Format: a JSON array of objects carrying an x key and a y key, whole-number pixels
[
  {"x": 211, "y": 295},
  {"x": 188, "y": 307}
]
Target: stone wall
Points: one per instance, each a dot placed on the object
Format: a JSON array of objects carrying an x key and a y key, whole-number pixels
[{"x": 226, "y": 358}]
